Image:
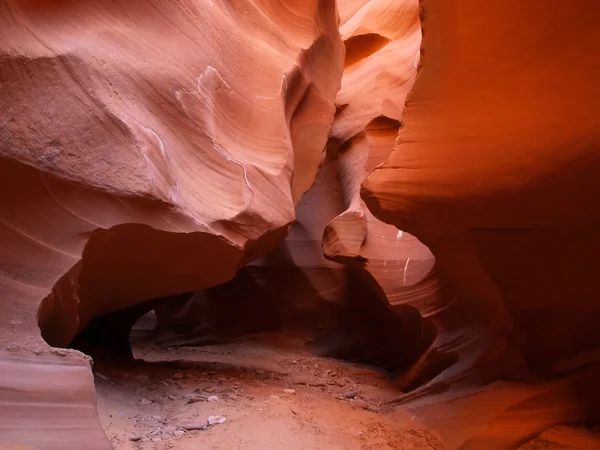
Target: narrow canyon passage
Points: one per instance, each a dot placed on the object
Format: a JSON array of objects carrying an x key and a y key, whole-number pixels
[
  {"x": 237, "y": 349},
  {"x": 313, "y": 224},
  {"x": 271, "y": 391}
]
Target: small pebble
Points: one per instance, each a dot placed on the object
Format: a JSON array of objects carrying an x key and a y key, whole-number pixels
[
  {"x": 156, "y": 439},
  {"x": 352, "y": 394},
  {"x": 145, "y": 402},
  {"x": 360, "y": 404},
  {"x": 289, "y": 391},
  {"x": 213, "y": 398},
  {"x": 216, "y": 420},
  {"x": 178, "y": 433},
  {"x": 195, "y": 399},
  {"x": 170, "y": 429},
  {"x": 135, "y": 437},
  {"x": 198, "y": 425}
]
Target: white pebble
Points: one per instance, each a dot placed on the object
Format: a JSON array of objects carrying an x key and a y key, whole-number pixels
[{"x": 216, "y": 420}]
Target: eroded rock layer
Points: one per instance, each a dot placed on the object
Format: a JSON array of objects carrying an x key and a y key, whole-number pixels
[
  {"x": 382, "y": 41},
  {"x": 151, "y": 150},
  {"x": 148, "y": 148},
  {"x": 392, "y": 269},
  {"x": 496, "y": 171}
]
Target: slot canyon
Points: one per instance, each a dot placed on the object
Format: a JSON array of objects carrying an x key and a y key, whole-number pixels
[{"x": 299, "y": 224}]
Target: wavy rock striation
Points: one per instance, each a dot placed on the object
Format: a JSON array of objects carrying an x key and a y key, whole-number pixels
[
  {"x": 148, "y": 148},
  {"x": 495, "y": 171},
  {"x": 382, "y": 40}
]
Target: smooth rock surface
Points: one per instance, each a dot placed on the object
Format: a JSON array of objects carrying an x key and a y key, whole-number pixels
[
  {"x": 495, "y": 171},
  {"x": 147, "y": 148}
]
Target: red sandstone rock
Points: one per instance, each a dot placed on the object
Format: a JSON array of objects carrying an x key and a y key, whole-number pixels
[
  {"x": 564, "y": 438},
  {"x": 382, "y": 40},
  {"x": 495, "y": 171},
  {"x": 148, "y": 149}
]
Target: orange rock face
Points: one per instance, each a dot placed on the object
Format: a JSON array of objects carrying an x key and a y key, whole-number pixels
[
  {"x": 148, "y": 149},
  {"x": 382, "y": 40},
  {"x": 152, "y": 148},
  {"x": 495, "y": 171}
]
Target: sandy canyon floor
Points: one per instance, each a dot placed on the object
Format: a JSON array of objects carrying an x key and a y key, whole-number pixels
[{"x": 272, "y": 395}]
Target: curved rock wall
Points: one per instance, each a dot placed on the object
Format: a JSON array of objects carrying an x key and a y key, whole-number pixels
[
  {"x": 495, "y": 171},
  {"x": 148, "y": 148},
  {"x": 152, "y": 148}
]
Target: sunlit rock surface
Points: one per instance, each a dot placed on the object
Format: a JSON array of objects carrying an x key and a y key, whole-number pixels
[{"x": 148, "y": 148}]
